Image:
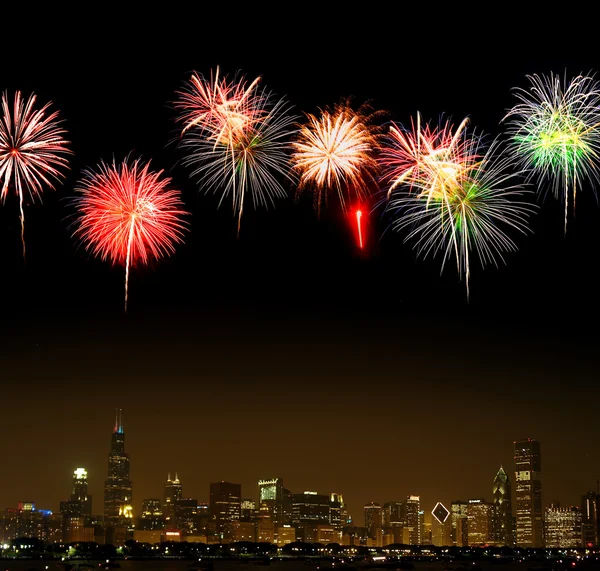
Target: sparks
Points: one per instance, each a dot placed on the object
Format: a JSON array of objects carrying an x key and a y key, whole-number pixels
[
  {"x": 33, "y": 150},
  {"x": 127, "y": 213}
]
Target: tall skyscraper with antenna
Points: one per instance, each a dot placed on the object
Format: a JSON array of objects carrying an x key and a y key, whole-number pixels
[{"x": 118, "y": 488}]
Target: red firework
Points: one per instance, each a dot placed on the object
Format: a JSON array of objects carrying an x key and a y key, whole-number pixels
[
  {"x": 128, "y": 214},
  {"x": 32, "y": 150}
]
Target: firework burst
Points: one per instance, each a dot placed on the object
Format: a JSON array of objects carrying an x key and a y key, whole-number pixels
[
  {"x": 33, "y": 150},
  {"x": 236, "y": 138},
  {"x": 128, "y": 214},
  {"x": 554, "y": 133},
  {"x": 336, "y": 151},
  {"x": 453, "y": 193}
]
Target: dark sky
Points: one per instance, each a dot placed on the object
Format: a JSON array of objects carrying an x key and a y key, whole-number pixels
[{"x": 283, "y": 352}]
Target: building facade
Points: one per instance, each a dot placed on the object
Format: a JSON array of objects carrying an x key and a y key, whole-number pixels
[
  {"x": 529, "y": 514},
  {"x": 562, "y": 527},
  {"x": 590, "y": 525},
  {"x": 271, "y": 500},
  {"x": 459, "y": 514},
  {"x": 118, "y": 488},
  {"x": 173, "y": 491},
  {"x": 413, "y": 530},
  {"x": 479, "y": 522},
  {"x": 373, "y": 519},
  {"x": 502, "y": 518},
  {"x": 225, "y": 507}
]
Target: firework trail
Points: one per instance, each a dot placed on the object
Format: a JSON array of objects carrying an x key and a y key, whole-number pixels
[
  {"x": 236, "y": 137},
  {"x": 128, "y": 214},
  {"x": 453, "y": 193},
  {"x": 33, "y": 151},
  {"x": 359, "y": 228},
  {"x": 336, "y": 151},
  {"x": 554, "y": 133}
]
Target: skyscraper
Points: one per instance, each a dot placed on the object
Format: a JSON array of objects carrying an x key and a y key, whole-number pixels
[
  {"x": 373, "y": 519},
  {"x": 502, "y": 522},
  {"x": 459, "y": 512},
  {"x": 80, "y": 503},
  {"x": 152, "y": 515},
  {"x": 528, "y": 494},
  {"x": 270, "y": 500},
  {"x": 225, "y": 507},
  {"x": 118, "y": 487},
  {"x": 173, "y": 492},
  {"x": 590, "y": 522},
  {"x": 563, "y": 526},
  {"x": 414, "y": 520},
  {"x": 479, "y": 524}
]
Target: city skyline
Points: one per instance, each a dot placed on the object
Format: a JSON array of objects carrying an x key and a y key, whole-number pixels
[
  {"x": 282, "y": 348},
  {"x": 118, "y": 490}
]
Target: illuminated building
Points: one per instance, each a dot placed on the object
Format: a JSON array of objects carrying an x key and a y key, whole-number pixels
[
  {"x": 502, "y": 520},
  {"x": 225, "y": 507},
  {"x": 310, "y": 509},
  {"x": 80, "y": 503},
  {"x": 248, "y": 510},
  {"x": 479, "y": 522},
  {"x": 171, "y": 535},
  {"x": 590, "y": 524},
  {"x": 186, "y": 513},
  {"x": 286, "y": 534},
  {"x": 265, "y": 531},
  {"x": 327, "y": 534},
  {"x": 337, "y": 511},
  {"x": 118, "y": 487},
  {"x": 528, "y": 494},
  {"x": 75, "y": 530},
  {"x": 414, "y": 520},
  {"x": 562, "y": 527},
  {"x": 441, "y": 525},
  {"x": 27, "y": 521},
  {"x": 459, "y": 514},
  {"x": 148, "y": 536},
  {"x": 373, "y": 519},
  {"x": 203, "y": 519},
  {"x": 152, "y": 515},
  {"x": 173, "y": 491},
  {"x": 270, "y": 500},
  {"x": 243, "y": 531},
  {"x": 393, "y": 514}
]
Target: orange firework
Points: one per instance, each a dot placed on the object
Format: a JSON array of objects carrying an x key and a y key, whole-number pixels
[{"x": 336, "y": 151}]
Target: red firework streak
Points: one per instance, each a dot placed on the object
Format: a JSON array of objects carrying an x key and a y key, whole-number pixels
[
  {"x": 359, "y": 227},
  {"x": 358, "y": 221}
]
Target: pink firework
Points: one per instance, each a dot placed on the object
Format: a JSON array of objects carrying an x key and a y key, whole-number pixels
[
  {"x": 33, "y": 151},
  {"x": 236, "y": 136},
  {"x": 429, "y": 161},
  {"x": 128, "y": 214},
  {"x": 221, "y": 108}
]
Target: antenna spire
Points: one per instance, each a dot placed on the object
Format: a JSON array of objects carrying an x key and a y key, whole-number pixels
[{"x": 119, "y": 421}]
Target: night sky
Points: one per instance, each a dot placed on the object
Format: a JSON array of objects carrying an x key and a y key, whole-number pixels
[{"x": 286, "y": 351}]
